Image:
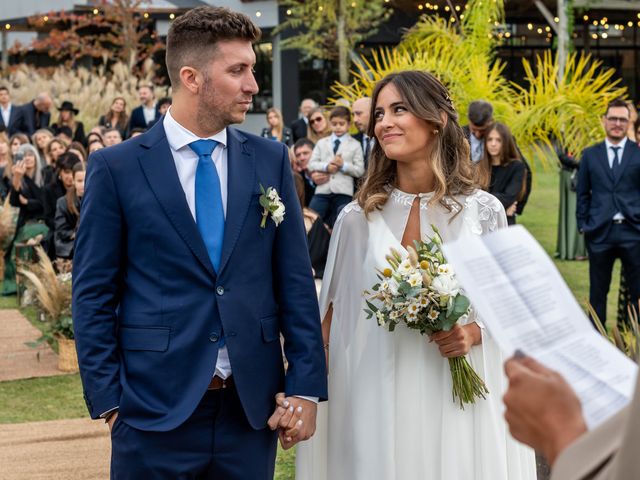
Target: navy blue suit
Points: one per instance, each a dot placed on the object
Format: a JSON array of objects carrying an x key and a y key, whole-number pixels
[
  {"x": 148, "y": 305},
  {"x": 137, "y": 119},
  {"x": 600, "y": 196}
]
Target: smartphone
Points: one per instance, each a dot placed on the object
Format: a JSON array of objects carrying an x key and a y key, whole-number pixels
[{"x": 18, "y": 157}]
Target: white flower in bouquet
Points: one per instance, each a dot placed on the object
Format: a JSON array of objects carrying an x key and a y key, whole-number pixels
[
  {"x": 433, "y": 315},
  {"x": 405, "y": 268},
  {"x": 445, "y": 269},
  {"x": 415, "y": 279},
  {"x": 446, "y": 285}
]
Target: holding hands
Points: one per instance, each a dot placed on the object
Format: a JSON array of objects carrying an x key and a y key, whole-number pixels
[{"x": 294, "y": 418}]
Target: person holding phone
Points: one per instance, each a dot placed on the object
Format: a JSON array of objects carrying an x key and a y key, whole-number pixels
[{"x": 26, "y": 195}]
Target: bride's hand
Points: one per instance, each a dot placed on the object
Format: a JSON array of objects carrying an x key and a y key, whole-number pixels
[{"x": 457, "y": 341}]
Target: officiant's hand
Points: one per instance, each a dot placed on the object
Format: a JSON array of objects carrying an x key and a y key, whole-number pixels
[
  {"x": 458, "y": 341},
  {"x": 542, "y": 410}
]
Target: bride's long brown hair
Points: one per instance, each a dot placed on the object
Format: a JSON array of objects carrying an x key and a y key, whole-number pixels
[{"x": 426, "y": 98}]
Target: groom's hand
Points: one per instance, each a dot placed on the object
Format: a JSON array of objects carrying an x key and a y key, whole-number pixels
[{"x": 294, "y": 418}]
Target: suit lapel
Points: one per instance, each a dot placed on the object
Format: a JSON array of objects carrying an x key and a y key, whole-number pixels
[
  {"x": 240, "y": 188},
  {"x": 629, "y": 150},
  {"x": 160, "y": 170}
]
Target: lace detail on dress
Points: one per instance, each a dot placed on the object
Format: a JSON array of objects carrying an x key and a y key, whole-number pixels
[
  {"x": 406, "y": 199},
  {"x": 350, "y": 207},
  {"x": 482, "y": 212}
]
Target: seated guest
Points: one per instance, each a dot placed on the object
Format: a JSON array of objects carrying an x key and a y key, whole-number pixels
[
  {"x": 34, "y": 115},
  {"x": 78, "y": 149},
  {"x": 135, "y": 132},
  {"x": 147, "y": 113},
  {"x": 16, "y": 140},
  {"x": 116, "y": 117},
  {"x": 68, "y": 213},
  {"x": 112, "y": 137},
  {"x": 65, "y": 134},
  {"x": 57, "y": 188},
  {"x": 26, "y": 195},
  {"x": 67, "y": 118},
  {"x": 341, "y": 156},
  {"x": 6, "y": 164},
  {"x": 93, "y": 136},
  {"x": 54, "y": 150},
  {"x": 302, "y": 151},
  {"x": 41, "y": 139},
  {"x": 94, "y": 145},
  {"x": 276, "y": 129},
  {"x": 500, "y": 171}
]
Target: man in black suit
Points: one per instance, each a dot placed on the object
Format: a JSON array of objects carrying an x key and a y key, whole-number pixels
[
  {"x": 608, "y": 207},
  {"x": 361, "y": 110},
  {"x": 8, "y": 113},
  {"x": 147, "y": 113},
  {"x": 299, "y": 126},
  {"x": 34, "y": 115}
]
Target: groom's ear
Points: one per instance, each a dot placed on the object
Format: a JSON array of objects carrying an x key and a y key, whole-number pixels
[{"x": 191, "y": 79}]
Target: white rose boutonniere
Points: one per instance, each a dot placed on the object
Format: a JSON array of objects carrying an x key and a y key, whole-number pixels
[{"x": 271, "y": 205}]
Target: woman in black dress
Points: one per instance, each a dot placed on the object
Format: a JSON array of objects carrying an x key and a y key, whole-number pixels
[{"x": 501, "y": 172}]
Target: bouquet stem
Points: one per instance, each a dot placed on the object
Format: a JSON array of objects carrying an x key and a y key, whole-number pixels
[{"x": 467, "y": 384}]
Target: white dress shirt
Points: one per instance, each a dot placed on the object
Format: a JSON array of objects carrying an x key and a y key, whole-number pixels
[
  {"x": 149, "y": 113},
  {"x": 477, "y": 148},
  {"x": 186, "y": 161},
  {"x": 610, "y": 157},
  {"x": 6, "y": 115}
]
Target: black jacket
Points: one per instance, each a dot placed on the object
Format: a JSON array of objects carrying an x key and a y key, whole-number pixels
[
  {"x": 298, "y": 129},
  {"x": 287, "y": 136},
  {"x": 65, "y": 228},
  {"x": 30, "y": 119},
  {"x": 137, "y": 119},
  {"x": 51, "y": 193},
  {"x": 34, "y": 209}
]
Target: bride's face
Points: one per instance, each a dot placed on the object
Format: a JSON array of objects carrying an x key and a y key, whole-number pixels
[{"x": 403, "y": 136}]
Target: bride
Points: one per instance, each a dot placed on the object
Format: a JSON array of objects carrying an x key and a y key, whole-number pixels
[{"x": 391, "y": 415}]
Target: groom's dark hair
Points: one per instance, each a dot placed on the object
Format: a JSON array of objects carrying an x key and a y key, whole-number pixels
[{"x": 192, "y": 38}]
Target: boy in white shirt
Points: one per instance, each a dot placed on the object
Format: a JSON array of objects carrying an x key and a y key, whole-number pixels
[{"x": 341, "y": 156}]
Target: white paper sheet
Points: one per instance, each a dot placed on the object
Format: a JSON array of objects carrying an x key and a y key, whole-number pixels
[{"x": 524, "y": 302}]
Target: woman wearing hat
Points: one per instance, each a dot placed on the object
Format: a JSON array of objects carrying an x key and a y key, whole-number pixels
[{"x": 67, "y": 118}]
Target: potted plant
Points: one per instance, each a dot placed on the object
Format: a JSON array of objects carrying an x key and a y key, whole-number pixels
[{"x": 53, "y": 297}]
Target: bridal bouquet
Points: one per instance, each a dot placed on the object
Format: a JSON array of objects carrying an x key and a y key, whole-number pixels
[{"x": 420, "y": 291}]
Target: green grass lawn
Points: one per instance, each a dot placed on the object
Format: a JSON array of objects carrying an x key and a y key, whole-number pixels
[{"x": 61, "y": 397}]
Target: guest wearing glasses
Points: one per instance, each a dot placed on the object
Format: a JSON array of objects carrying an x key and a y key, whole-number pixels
[
  {"x": 318, "y": 125},
  {"x": 608, "y": 207}
]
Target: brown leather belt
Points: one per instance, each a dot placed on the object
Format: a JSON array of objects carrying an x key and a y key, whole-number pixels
[{"x": 218, "y": 383}]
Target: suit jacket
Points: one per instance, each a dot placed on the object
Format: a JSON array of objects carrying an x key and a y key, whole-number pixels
[
  {"x": 148, "y": 306},
  {"x": 341, "y": 182},
  {"x": 287, "y": 135},
  {"x": 609, "y": 452},
  {"x": 299, "y": 129},
  {"x": 600, "y": 196},
  {"x": 14, "y": 116},
  {"x": 137, "y": 119},
  {"x": 29, "y": 119}
]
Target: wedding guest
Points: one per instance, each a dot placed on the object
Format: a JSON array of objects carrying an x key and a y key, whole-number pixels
[
  {"x": 55, "y": 148},
  {"x": 78, "y": 149},
  {"x": 318, "y": 125},
  {"x": 480, "y": 116},
  {"x": 637, "y": 128},
  {"x": 16, "y": 141},
  {"x": 276, "y": 129},
  {"x": 543, "y": 411},
  {"x": 163, "y": 105},
  {"x": 361, "y": 108},
  {"x": 65, "y": 134},
  {"x": 94, "y": 146},
  {"x": 67, "y": 118},
  {"x": 9, "y": 113},
  {"x": 26, "y": 195},
  {"x": 93, "y": 136},
  {"x": 6, "y": 164},
  {"x": 116, "y": 117},
  {"x": 341, "y": 156},
  {"x": 633, "y": 118},
  {"x": 608, "y": 207},
  {"x": 41, "y": 139},
  {"x": 391, "y": 414},
  {"x": 62, "y": 183},
  {"x": 68, "y": 213},
  {"x": 99, "y": 129},
  {"x": 299, "y": 127},
  {"x": 112, "y": 137},
  {"x": 35, "y": 114},
  {"x": 147, "y": 113},
  {"x": 135, "y": 132},
  {"x": 302, "y": 151},
  {"x": 500, "y": 171}
]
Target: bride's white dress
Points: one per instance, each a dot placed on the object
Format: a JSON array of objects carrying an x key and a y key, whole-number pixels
[{"x": 390, "y": 414}]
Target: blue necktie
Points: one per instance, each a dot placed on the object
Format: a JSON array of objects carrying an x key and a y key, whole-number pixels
[
  {"x": 336, "y": 145},
  {"x": 615, "y": 165},
  {"x": 209, "y": 211}
]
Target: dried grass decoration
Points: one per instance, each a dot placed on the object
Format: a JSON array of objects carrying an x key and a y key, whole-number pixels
[
  {"x": 53, "y": 297},
  {"x": 8, "y": 221}
]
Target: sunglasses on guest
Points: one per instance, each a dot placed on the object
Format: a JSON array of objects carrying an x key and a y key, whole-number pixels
[{"x": 316, "y": 119}]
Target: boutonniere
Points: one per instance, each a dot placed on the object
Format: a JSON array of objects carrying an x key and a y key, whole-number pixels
[{"x": 272, "y": 206}]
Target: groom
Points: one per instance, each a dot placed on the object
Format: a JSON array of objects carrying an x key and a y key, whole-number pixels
[{"x": 179, "y": 294}]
